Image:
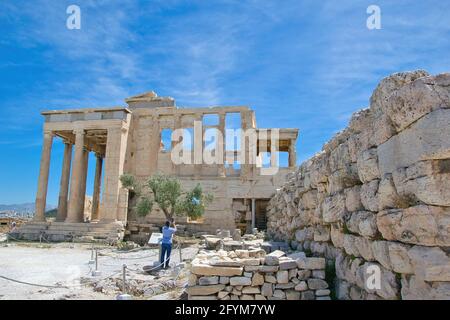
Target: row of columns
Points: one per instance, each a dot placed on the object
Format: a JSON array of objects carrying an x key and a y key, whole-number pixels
[{"x": 70, "y": 205}]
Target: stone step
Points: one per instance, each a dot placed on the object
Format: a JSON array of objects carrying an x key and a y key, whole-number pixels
[
  {"x": 94, "y": 234},
  {"x": 99, "y": 229}
]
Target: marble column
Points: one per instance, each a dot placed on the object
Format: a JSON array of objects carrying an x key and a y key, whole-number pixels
[
  {"x": 64, "y": 184},
  {"x": 198, "y": 145},
  {"x": 83, "y": 183},
  {"x": 273, "y": 157},
  {"x": 74, "y": 208},
  {"x": 292, "y": 155},
  {"x": 220, "y": 148},
  {"x": 97, "y": 187},
  {"x": 41, "y": 195},
  {"x": 114, "y": 159}
]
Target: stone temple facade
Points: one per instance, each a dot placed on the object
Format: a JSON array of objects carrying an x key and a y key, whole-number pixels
[{"x": 131, "y": 140}]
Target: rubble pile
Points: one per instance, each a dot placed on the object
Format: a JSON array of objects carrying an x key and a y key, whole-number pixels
[{"x": 255, "y": 275}]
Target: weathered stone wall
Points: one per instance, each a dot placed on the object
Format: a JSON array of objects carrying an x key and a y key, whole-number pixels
[
  {"x": 253, "y": 275},
  {"x": 379, "y": 194}
]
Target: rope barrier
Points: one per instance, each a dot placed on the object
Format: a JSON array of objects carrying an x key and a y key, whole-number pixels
[
  {"x": 29, "y": 283},
  {"x": 93, "y": 281}
]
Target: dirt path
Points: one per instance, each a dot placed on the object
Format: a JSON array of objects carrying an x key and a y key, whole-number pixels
[{"x": 68, "y": 264}]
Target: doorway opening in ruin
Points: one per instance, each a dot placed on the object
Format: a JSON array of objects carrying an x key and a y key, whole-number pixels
[
  {"x": 261, "y": 214},
  {"x": 249, "y": 213}
]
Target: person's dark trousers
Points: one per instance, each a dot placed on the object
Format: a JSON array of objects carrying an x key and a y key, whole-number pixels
[{"x": 166, "y": 249}]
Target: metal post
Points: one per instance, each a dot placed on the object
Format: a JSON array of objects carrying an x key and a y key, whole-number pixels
[
  {"x": 124, "y": 278},
  {"x": 159, "y": 257},
  {"x": 92, "y": 261},
  {"x": 96, "y": 272},
  {"x": 124, "y": 295},
  {"x": 179, "y": 248},
  {"x": 253, "y": 213}
]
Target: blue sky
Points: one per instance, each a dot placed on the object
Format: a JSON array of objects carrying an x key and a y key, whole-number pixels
[{"x": 303, "y": 64}]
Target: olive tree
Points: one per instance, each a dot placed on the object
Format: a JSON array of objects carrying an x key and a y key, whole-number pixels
[{"x": 167, "y": 193}]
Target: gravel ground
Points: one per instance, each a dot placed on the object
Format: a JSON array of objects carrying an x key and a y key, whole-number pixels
[{"x": 68, "y": 264}]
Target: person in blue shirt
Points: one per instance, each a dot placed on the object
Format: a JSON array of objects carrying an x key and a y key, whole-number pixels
[{"x": 166, "y": 243}]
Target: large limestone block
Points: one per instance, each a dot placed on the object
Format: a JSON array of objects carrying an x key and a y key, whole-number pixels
[
  {"x": 287, "y": 264},
  {"x": 317, "y": 284},
  {"x": 202, "y": 297},
  {"x": 333, "y": 208},
  {"x": 380, "y": 250},
  {"x": 267, "y": 290},
  {"x": 322, "y": 233},
  {"x": 258, "y": 279},
  {"x": 424, "y": 140},
  {"x": 283, "y": 276},
  {"x": 347, "y": 266},
  {"x": 251, "y": 290},
  {"x": 389, "y": 289},
  {"x": 304, "y": 234},
  {"x": 337, "y": 236},
  {"x": 387, "y": 194},
  {"x": 416, "y": 99},
  {"x": 268, "y": 269},
  {"x": 367, "y": 164},
  {"x": 430, "y": 264},
  {"x": 399, "y": 258},
  {"x": 207, "y": 270},
  {"x": 205, "y": 290},
  {"x": 345, "y": 177},
  {"x": 204, "y": 281},
  {"x": 311, "y": 263},
  {"x": 360, "y": 121},
  {"x": 363, "y": 223},
  {"x": 309, "y": 199},
  {"x": 432, "y": 185},
  {"x": 353, "y": 199},
  {"x": 369, "y": 195},
  {"x": 383, "y": 129},
  {"x": 368, "y": 225},
  {"x": 364, "y": 248},
  {"x": 339, "y": 157},
  {"x": 292, "y": 295},
  {"x": 301, "y": 286},
  {"x": 414, "y": 288},
  {"x": 320, "y": 169},
  {"x": 350, "y": 245},
  {"x": 279, "y": 294},
  {"x": 424, "y": 225},
  {"x": 192, "y": 279},
  {"x": 240, "y": 281},
  {"x": 389, "y": 85}
]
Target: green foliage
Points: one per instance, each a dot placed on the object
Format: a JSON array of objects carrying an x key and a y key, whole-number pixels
[
  {"x": 144, "y": 206},
  {"x": 51, "y": 213},
  {"x": 194, "y": 203},
  {"x": 167, "y": 193},
  {"x": 129, "y": 182}
]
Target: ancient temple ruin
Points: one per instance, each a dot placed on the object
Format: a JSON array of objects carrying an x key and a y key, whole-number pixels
[{"x": 132, "y": 139}]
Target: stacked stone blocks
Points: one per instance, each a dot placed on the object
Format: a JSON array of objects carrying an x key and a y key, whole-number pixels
[{"x": 379, "y": 194}]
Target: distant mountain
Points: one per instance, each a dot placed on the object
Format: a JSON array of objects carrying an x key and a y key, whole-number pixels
[{"x": 22, "y": 207}]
